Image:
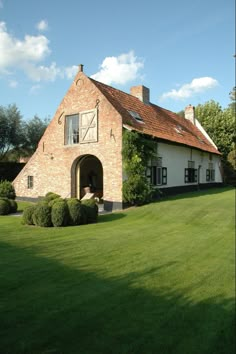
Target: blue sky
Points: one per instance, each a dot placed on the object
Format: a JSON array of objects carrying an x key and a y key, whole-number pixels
[{"x": 182, "y": 50}]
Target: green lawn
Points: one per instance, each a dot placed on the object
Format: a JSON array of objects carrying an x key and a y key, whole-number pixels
[{"x": 155, "y": 279}]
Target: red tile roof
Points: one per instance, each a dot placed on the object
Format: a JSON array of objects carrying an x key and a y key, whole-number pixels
[{"x": 157, "y": 122}]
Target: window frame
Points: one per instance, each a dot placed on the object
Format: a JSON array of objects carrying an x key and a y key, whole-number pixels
[
  {"x": 30, "y": 182},
  {"x": 210, "y": 173},
  {"x": 71, "y": 138},
  {"x": 190, "y": 173},
  {"x": 156, "y": 173}
]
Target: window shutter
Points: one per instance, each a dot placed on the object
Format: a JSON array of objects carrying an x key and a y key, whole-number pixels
[
  {"x": 186, "y": 175},
  {"x": 149, "y": 174},
  {"x": 88, "y": 129},
  {"x": 154, "y": 175},
  {"x": 195, "y": 175},
  {"x": 164, "y": 175},
  {"x": 212, "y": 175}
]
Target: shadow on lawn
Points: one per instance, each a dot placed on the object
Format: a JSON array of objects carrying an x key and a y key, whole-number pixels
[
  {"x": 47, "y": 307},
  {"x": 111, "y": 217}
]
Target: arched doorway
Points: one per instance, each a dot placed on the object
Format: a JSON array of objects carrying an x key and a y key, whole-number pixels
[{"x": 87, "y": 176}]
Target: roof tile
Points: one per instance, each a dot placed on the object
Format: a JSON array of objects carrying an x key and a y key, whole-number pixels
[{"x": 157, "y": 122}]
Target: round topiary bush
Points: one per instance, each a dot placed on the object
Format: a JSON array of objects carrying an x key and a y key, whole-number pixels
[
  {"x": 13, "y": 206},
  {"x": 56, "y": 200},
  {"x": 91, "y": 210},
  {"x": 7, "y": 190},
  {"x": 50, "y": 196},
  {"x": 59, "y": 214},
  {"x": 42, "y": 215},
  {"x": 4, "y": 206},
  {"x": 76, "y": 212},
  {"x": 28, "y": 214}
]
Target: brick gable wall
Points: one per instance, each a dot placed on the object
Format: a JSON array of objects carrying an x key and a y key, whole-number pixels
[{"x": 51, "y": 164}]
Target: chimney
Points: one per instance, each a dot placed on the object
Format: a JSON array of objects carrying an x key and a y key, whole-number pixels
[
  {"x": 140, "y": 92},
  {"x": 189, "y": 113},
  {"x": 80, "y": 68}
]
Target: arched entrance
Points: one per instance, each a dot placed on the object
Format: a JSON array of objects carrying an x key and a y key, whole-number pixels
[{"x": 87, "y": 176}]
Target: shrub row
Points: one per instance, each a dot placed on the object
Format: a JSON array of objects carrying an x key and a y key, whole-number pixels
[
  {"x": 7, "y": 206},
  {"x": 52, "y": 210}
]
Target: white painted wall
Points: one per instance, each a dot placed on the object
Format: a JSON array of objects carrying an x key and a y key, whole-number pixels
[{"x": 176, "y": 157}]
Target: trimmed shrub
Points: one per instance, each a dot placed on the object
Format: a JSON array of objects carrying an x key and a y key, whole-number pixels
[
  {"x": 7, "y": 190},
  {"x": 13, "y": 206},
  {"x": 59, "y": 214},
  {"x": 91, "y": 210},
  {"x": 76, "y": 212},
  {"x": 56, "y": 200},
  {"x": 50, "y": 196},
  {"x": 42, "y": 215},
  {"x": 4, "y": 206},
  {"x": 136, "y": 190},
  {"x": 28, "y": 215}
]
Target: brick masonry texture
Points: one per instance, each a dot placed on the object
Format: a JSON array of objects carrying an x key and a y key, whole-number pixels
[{"x": 51, "y": 164}]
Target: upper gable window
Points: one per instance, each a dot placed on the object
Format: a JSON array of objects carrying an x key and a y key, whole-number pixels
[
  {"x": 81, "y": 128},
  {"x": 72, "y": 129},
  {"x": 136, "y": 116}
]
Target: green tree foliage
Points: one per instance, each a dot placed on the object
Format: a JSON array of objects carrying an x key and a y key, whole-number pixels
[
  {"x": 136, "y": 152},
  {"x": 11, "y": 132},
  {"x": 219, "y": 124},
  {"x": 34, "y": 130},
  {"x": 232, "y": 96},
  {"x": 18, "y": 137}
]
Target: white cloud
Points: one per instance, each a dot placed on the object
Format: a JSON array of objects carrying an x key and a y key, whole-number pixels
[
  {"x": 197, "y": 85},
  {"x": 71, "y": 71},
  {"x": 50, "y": 73},
  {"x": 42, "y": 25},
  {"x": 17, "y": 53},
  {"x": 43, "y": 73},
  {"x": 27, "y": 54},
  {"x": 13, "y": 83},
  {"x": 34, "y": 89},
  {"x": 119, "y": 70}
]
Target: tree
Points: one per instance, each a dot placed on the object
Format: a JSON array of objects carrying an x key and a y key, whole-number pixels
[
  {"x": 33, "y": 131},
  {"x": 232, "y": 96},
  {"x": 17, "y": 137},
  {"x": 11, "y": 132},
  {"x": 219, "y": 124}
]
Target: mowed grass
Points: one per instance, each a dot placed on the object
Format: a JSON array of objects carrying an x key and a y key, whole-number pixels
[{"x": 154, "y": 279}]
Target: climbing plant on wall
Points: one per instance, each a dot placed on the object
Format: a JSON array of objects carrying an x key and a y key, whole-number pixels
[{"x": 137, "y": 152}]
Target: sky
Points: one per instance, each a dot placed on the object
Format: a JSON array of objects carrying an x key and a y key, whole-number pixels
[{"x": 183, "y": 51}]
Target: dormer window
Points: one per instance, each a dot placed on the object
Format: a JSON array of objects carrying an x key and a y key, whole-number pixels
[
  {"x": 179, "y": 129},
  {"x": 136, "y": 116}
]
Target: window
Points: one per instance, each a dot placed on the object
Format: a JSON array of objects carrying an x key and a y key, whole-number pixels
[
  {"x": 136, "y": 116},
  {"x": 81, "y": 128},
  {"x": 30, "y": 182},
  {"x": 210, "y": 173},
  {"x": 72, "y": 129},
  {"x": 156, "y": 174},
  {"x": 190, "y": 174}
]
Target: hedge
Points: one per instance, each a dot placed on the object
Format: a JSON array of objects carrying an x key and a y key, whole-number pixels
[{"x": 52, "y": 210}]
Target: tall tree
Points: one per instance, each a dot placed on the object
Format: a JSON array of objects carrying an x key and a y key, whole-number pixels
[
  {"x": 33, "y": 131},
  {"x": 11, "y": 132},
  {"x": 219, "y": 124}
]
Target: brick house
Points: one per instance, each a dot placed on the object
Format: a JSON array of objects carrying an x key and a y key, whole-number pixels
[{"x": 81, "y": 148}]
